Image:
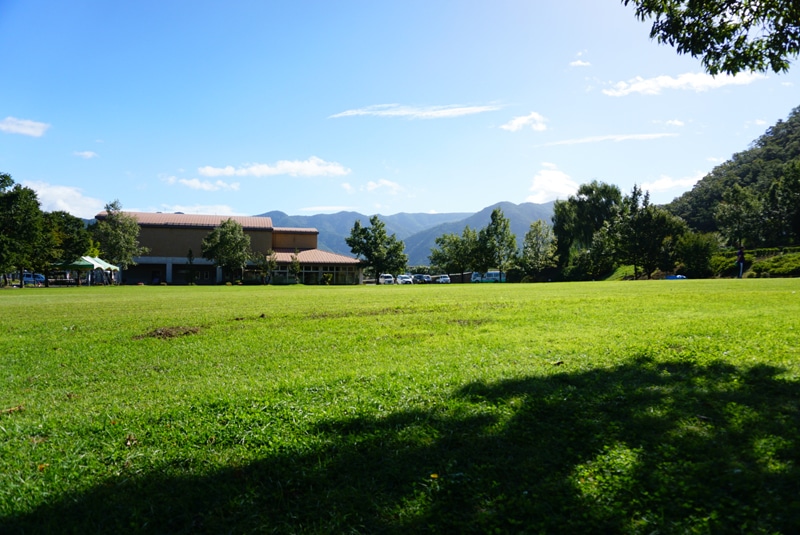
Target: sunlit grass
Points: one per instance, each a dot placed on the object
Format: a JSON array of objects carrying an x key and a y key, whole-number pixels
[{"x": 623, "y": 406}]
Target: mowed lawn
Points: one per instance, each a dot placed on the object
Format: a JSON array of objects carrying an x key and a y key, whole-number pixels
[{"x": 607, "y": 407}]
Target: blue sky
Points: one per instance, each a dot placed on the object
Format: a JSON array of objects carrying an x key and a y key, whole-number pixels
[{"x": 242, "y": 107}]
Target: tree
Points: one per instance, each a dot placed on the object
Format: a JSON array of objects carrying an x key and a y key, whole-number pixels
[
  {"x": 781, "y": 213},
  {"x": 729, "y": 36},
  {"x": 497, "y": 245},
  {"x": 455, "y": 254},
  {"x": 228, "y": 247},
  {"x": 21, "y": 224},
  {"x": 694, "y": 251},
  {"x": 538, "y": 249},
  {"x": 270, "y": 263},
  {"x": 71, "y": 240},
  {"x": 738, "y": 216},
  {"x": 118, "y": 236},
  {"x": 576, "y": 220},
  {"x": 295, "y": 268},
  {"x": 644, "y": 233},
  {"x": 381, "y": 253}
]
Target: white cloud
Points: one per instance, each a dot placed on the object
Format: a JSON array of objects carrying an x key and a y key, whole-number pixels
[
  {"x": 205, "y": 209},
  {"x": 697, "y": 82},
  {"x": 65, "y": 198},
  {"x": 579, "y": 63},
  {"x": 675, "y": 122},
  {"x": 667, "y": 183},
  {"x": 615, "y": 138},
  {"x": 204, "y": 185},
  {"x": 534, "y": 120},
  {"x": 26, "y": 127},
  {"x": 393, "y": 187},
  {"x": 550, "y": 183},
  {"x": 86, "y": 155},
  {"x": 714, "y": 159},
  {"x": 416, "y": 112},
  {"x": 312, "y": 167},
  {"x": 348, "y": 187}
]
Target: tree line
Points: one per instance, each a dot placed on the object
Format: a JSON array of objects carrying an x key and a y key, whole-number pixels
[{"x": 38, "y": 241}]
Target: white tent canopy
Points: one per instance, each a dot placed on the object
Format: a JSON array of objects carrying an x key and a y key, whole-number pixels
[{"x": 99, "y": 263}]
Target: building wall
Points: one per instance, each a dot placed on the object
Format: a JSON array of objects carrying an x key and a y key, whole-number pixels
[
  {"x": 176, "y": 241},
  {"x": 301, "y": 242}
]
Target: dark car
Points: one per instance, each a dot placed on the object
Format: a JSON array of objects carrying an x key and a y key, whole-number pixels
[{"x": 422, "y": 279}]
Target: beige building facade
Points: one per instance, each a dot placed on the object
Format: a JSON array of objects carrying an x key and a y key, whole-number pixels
[{"x": 175, "y": 256}]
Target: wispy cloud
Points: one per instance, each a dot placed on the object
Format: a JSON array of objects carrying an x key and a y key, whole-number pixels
[
  {"x": 348, "y": 187},
  {"x": 204, "y": 185},
  {"x": 614, "y": 138},
  {"x": 551, "y": 183},
  {"x": 675, "y": 122},
  {"x": 416, "y": 112},
  {"x": 579, "y": 62},
  {"x": 312, "y": 167},
  {"x": 393, "y": 187},
  {"x": 86, "y": 154},
  {"x": 534, "y": 120},
  {"x": 26, "y": 127},
  {"x": 697, "y": 82},
  {"x": 65, "y": 198},
  {"x": 667, "y": 183}
]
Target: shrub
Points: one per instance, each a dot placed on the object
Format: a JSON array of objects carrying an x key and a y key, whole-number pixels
[
  {"x": 695, "y": 252},
  {"x": 786, "y": 265}
]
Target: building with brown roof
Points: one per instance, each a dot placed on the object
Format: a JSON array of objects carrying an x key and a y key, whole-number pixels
[{"x": 175, "y": 251}]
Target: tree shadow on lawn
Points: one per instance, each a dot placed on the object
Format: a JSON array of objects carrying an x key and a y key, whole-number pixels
[{"x": 645, "y": 447}]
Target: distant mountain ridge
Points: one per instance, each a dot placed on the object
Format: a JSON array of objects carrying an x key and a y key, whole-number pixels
[{"x": 418, "y": 231}]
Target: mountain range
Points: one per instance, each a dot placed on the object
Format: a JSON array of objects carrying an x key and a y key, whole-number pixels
[{"x": 418, "y": 231}]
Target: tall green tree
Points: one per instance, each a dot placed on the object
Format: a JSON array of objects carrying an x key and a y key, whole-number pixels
[
  {"x": 118, "y": 236},
  {"x": 576, "y": 220},
  {"x": 738, "y": 216},
  {"x": 21, "y": 227},
  {"x": 538, "y": 249},
  {"x": 497, "y": 245},
  {"x": 781, "y": 208},
  {"x": 645, "y": 233},
  {"x": 70, "y": 238},
  {"x": 380, "y": 252},
  {"x": 455, "y": 254},
  {"x": 228, "y": 247},
  {"x": 694, "y": 251},
  {"x": 729, "y": 36},
  {"x": 294, "y": 267}
]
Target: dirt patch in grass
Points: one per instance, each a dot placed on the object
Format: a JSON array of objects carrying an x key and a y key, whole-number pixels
[{"x": 165, "y": 333}]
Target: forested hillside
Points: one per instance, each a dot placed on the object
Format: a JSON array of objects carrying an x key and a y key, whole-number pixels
[{"x": 755, "y": 196}]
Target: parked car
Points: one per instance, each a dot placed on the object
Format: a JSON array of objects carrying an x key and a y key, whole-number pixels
[
  {"x": 386, "y": 278},
  {"x": 405, "y": 279},
  {"x": 443, "y": 279},
  {"x": 489, "y": 276},
  {"x": 36, "y": 279},
  {"x": 421, "y": 279}
]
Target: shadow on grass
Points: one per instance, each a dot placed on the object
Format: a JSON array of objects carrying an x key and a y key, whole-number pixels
[{"x": 641, "y": 448}]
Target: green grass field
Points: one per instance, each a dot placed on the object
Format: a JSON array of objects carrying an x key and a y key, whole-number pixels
[{"x": 607, "y": 407}]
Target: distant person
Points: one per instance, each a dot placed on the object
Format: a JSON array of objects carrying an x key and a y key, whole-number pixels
[{"x": 740, "y": 260}]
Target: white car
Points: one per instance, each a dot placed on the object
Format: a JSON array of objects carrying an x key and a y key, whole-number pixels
[
  {"x": 443, "y": 279},
  {"x": 405, "y": 279},
  {"x": 386, "y": 278}
]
